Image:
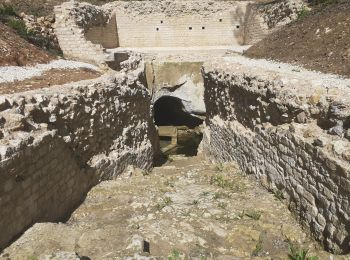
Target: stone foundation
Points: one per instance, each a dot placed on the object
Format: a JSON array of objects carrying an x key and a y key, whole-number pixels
[
  {"x": 289, "y": 128},
  {"x": 56, "y": 143}
]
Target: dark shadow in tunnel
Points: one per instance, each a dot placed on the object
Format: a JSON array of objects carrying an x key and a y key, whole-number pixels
[{"x": 170, "y": 111}]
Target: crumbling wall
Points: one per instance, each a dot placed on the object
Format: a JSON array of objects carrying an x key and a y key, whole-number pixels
[
  {"x": 84, "y": 31},
  {"x": 290, "y": 128},
  {"x": 56, "y": 143},
  {"x": 264, "y": 18}
]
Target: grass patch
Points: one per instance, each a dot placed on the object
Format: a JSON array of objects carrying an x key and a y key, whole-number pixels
[
  {"x": 253, "y": 214},
  {"x": 258, "y": 247},
  {"x": 166, "y": 201},
  {"x": 225, "y": 183},
  {"x": 20, "y": 27},
  {"x": 169, "y": 183},
  {"x": 303, "y": 12},
  {"x": 175, "y": 255},
  {"x": 220, "y": 195},
  {"x": 278, "y": 194},
  {"x": 204, "y": 193},
  {"x": 219, "y": 167},
  {"x": 299, "y": 254},
  {"x": 222, "y": 205},
  {"x": 7, "y": 9}
]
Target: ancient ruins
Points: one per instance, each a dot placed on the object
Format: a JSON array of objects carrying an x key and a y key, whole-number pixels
[{"x": 180, "y": 148}]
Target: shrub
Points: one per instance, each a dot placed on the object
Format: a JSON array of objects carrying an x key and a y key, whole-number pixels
[
  {"x": 7, "y": 9},
  {"x": 303, "y": 12},
  {"x": 299, "y": 254},
  {"x": 19, "y": 26}
]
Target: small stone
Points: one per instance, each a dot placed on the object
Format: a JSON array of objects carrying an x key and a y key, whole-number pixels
[
  {"x": 320, "y": 141},
  {"x": 336, "y": 130},
  {"x": 139, "y": 245},
  {"x": 301, "y": 118},
  {"x": 347, "y": 134}
]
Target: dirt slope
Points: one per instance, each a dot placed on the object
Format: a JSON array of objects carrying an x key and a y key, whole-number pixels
[
  {"x": 16, "y": 51},
  {"x": 319, "y": 41}
]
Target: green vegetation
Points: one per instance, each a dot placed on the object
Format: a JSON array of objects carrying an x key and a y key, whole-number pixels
[
  {"x": 258, "y": 247},
  {"x": 278, "y": 195},
  {"x": 253, "y": 214},
  {"x": 220, "y": 181},
  {"x": 303, "y": 12},
  {"x": 222, "y": 205},
  {"x": 166, "y": 201},
  {"x": 20, "y": 27},
  {"x": 145, "y": 173},
  {"x": 195, "y": 202},
  {"x": 32, "y": 257},
  {"x": 219, "y": 167},
  {"x": 205, "y": 193},
  {"x": 299, "y": 254},
  {"x": 174, "y": 255},
  {"x": 225, "y": 183},
  {"x": 7, "y": 9},
  {"x": 169, "y": 183}
]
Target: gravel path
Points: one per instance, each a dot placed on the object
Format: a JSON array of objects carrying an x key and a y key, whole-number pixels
[
  {"x": 288, "y": 70},
  {"x": 16, "y": 73}
]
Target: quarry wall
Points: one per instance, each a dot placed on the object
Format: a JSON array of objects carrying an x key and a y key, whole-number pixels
[
  {"x": 289, "y": 129},
  {"x": 58, "y": 142}
]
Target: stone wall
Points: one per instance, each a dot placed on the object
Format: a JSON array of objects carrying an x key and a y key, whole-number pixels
[
  {"x": 90, "y": 33},
  {"x": 290, "y": 128},
  {"x": 157, "y": 30},
  {"x": 56, "y": 143},
  {"x": 73, "y": 20}
]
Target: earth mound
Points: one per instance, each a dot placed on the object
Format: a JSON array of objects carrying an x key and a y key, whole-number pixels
[
  {"x": 16, "y": 51},
  {"x": 318, "y": 40}
]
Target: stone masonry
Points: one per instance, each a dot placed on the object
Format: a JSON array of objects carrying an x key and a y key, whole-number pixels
[
  {"x": 290, "y": 128},
  {"x": 91, "y": 33},
  {"x": 56, "y": 143}
]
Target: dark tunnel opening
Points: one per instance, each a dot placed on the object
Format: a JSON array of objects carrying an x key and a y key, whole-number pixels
[
  {"x": 169, "y": 111},
  {"x": 179, "y": 131}
]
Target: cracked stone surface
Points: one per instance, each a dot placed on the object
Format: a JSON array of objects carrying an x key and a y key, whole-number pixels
[{"x": 186, "y": 209}]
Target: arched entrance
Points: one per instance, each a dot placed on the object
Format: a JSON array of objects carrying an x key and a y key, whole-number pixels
[{"x": 179, "y": 131}]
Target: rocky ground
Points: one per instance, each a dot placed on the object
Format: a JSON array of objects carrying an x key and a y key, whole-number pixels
[
  {"x": 188, "y": 208},
  {"x": 318, "y": 40}
]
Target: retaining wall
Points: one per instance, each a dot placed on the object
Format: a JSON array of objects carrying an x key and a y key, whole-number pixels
[
  {"x": 56, "y": 143},
  {"x": 290, "y": 128},
  {"x": 87, "y": 32}
]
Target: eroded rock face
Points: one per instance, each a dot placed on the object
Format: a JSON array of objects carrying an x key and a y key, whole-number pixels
[
  {"x": 286, "y": 126},
  {"x": 58, "y": 142}
]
